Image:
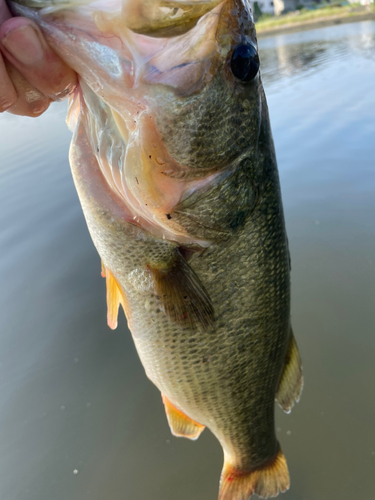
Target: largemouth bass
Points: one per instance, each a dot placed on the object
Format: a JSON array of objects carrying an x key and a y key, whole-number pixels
[{"x": 174, "y": 164}]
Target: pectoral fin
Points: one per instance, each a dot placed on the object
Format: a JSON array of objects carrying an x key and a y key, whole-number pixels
[
  {"x": 180, "y": 424},
  {"x": 291, "y": 381},
  {"x": 181, "y": 293}
]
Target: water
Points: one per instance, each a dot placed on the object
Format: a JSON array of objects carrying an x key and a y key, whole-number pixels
[{"x": 78, "y": 418}]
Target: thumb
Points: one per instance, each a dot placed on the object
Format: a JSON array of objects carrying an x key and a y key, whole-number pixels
[{"x": 24, "y": 46}]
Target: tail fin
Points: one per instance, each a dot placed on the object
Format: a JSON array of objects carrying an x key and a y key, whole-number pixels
[{"x": 267, "y": 481}]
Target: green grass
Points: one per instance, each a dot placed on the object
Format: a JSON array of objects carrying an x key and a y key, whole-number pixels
[{"x": 267, "y": 22}]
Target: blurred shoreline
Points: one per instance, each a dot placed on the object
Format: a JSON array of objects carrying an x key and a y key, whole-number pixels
[{"x": 277, "y": 25}]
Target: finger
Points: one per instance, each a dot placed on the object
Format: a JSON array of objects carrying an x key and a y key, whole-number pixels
[
  {"x": 4, "y": 11},
  {"x": 30, "y": 101},
  {"x": 27, "y": 103},
  {"x": 8, "y": 94},
  {"x": 23, "y": 44}
]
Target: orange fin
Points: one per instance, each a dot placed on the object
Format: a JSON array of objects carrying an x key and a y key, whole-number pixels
[
  {"x": 114, "y": 299},
  {"x": 266, "y": 481},
  {"x": 181, "y": 293},
  {"x": 180, "y": 424},
  {"x": 291, "y": 381},
  {"x": 103, "y": 269}
]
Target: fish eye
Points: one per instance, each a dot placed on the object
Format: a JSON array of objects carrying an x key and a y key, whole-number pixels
[{"x": 245, "y": 62}]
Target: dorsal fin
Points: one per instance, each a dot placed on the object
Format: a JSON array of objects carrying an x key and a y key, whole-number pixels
[{"x": 291, "y": 381}]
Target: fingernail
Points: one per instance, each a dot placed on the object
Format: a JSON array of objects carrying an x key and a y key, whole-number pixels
[{"x": 24, "y": 44}]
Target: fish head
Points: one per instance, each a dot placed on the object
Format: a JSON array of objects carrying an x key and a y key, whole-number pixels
[
  {"x": 201, "y": 94},
  {"x": 172, "y": 90},
  {"x": 205, "y": 87}
]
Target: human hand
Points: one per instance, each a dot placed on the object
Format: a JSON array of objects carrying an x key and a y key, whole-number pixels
[{"x": 31, "y": 74}]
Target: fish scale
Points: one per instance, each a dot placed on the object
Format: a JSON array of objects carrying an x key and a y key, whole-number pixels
[{"x": 218, "y": 143}]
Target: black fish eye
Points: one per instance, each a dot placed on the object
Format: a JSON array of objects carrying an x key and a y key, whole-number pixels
[{"x": 245, "y": 62}]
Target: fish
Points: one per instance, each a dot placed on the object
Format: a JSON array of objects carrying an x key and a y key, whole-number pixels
[{"x": 174, "y": 164}]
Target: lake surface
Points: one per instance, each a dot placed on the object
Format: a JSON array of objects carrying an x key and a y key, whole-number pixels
[{"x": 78, "y": 417}]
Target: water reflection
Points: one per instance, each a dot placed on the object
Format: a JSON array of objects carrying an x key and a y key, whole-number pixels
[
  {"x": 306, "y": 52},
  {"x": 287, "y": 60}
]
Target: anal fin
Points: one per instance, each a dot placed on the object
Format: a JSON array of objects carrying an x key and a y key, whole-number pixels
[
  {"x": 266, "y": 481},
  {"x": 180, "y": 424},
  {"x": 291, "y": 381}
]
